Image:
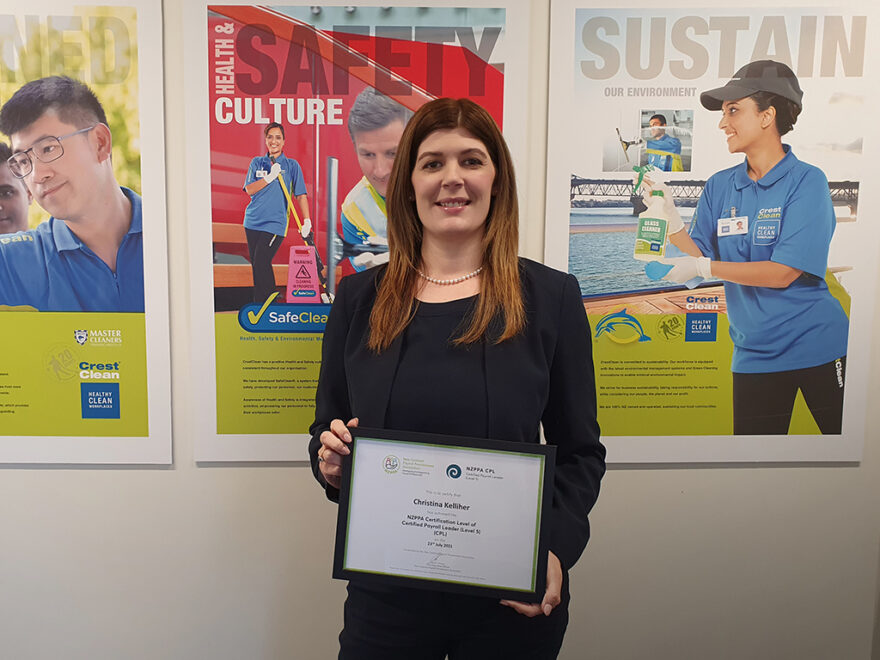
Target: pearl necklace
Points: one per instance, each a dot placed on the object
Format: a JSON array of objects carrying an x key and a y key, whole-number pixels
[{"x": 454, "y": 280}]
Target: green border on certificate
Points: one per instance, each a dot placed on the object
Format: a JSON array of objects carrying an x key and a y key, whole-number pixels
[{"x": 448, "y": 513}]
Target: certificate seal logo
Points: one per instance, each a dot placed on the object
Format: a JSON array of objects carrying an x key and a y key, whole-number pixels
[
  {"x": 453, "y": 471},
  {"x": 391, "y": 464}
]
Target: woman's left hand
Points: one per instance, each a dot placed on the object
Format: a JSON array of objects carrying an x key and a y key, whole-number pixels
[{"x": 552, "y": 594}]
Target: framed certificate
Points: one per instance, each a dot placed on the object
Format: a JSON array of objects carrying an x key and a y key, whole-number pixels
[{"x": 446, "y": 513}]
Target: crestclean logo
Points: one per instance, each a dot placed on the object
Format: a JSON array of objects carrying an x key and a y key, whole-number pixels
[
  {"x": 453, "y": 471},
  {"x": 99, "y": 370},
  {"x": 391, "y": 463},
  {"x": 770, "y": 214},
  {"x": 16, "y": 238}
]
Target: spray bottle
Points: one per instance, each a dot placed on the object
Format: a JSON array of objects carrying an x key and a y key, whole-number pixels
[
  {"x": 655, "y": 270},
  {"x": 653, "y": 224}
]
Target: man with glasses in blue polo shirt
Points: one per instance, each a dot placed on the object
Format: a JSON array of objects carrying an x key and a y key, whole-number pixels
[{"x": 87, "y": 257}]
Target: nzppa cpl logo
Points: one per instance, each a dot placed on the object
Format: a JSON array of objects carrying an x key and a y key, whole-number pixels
[{"x": 453, "y": 471}]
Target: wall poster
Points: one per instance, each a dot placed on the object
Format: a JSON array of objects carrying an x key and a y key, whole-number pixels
[
  {"x": 84, "y": 368},
  {"x": 625, "y": 90},
  {"x": 294, "y": 114}
]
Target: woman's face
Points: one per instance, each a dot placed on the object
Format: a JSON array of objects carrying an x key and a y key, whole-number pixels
[
  {"x": 743, "y": 123},
  {"x": 452, "y": 181},
  {"x": 275, "y": 142}
]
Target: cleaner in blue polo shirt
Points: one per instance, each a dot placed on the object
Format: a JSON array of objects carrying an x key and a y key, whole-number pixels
[
  {"x": 89, "y": 255},
  {"x": 764, "y": 227},
  {"x": 266, "y": 219}
]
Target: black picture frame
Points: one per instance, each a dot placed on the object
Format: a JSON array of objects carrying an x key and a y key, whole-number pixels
[{"x": 548, "y": 454}]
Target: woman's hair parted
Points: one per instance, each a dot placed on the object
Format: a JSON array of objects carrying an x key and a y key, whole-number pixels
[{"x": 500, "y": 292}]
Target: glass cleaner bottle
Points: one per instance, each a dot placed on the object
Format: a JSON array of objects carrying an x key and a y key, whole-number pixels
[{"x": 652, "y": 229}]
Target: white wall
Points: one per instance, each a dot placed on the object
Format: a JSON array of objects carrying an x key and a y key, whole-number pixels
[{"x": 234, "y": 562}]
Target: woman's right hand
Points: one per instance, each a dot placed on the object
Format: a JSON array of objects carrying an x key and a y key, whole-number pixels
[
  {"x": 334, "y": 445},
  {"x": 649, "y": 185}
]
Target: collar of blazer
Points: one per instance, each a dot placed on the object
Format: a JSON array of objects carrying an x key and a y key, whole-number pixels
[{"x": 502, "y": 370}]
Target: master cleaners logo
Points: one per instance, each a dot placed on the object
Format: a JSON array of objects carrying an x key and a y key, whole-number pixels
[
  {"x": 391, "y": 464},
  {"x": 621, "y": 328},
  {"x": 95, "y": 337},
  {"x": 453, "y": 471}
]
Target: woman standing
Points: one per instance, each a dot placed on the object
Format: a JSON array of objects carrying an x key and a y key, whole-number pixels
[
  {"x": 457, "y": 336},
  {"x": 764, "y": 227},
  {"x": 266, "y": 216}
]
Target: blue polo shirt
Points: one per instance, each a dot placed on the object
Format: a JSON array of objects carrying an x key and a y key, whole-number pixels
[
  {"x": 267, "y": 210},
  {"x": 50, "y": 269},
  {"x": 665, "y": 143},
  {"x": 790, "y": 221}
]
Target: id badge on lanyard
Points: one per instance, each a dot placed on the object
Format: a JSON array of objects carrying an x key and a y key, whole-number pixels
[{"x": 733, "y": 225}]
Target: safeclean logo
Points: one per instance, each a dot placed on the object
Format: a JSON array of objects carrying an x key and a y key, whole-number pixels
[{"x": 391, "y": 464}]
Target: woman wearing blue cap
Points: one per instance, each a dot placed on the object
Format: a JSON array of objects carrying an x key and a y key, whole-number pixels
[{"x": 764, "y": 227}]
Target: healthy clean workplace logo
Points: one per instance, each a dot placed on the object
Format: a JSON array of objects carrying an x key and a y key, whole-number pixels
[
  {"x": 701, "y": 327},
  {"x": 283, "y": 317}
]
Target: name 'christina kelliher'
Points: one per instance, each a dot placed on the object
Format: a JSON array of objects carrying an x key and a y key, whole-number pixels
[{"x": 442, "y": 505}]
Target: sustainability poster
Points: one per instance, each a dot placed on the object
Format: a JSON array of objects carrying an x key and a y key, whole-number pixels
[
  {"x": 84, "y": 369},
  {"x": 296, "y": 114},
  {"x": 625, "y": 93}
]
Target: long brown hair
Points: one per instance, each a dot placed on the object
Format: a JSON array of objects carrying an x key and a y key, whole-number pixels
[{"x": 500, "y": 293}]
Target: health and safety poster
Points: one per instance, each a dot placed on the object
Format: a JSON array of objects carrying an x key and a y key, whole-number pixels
[{"x": 320, "y": 94}]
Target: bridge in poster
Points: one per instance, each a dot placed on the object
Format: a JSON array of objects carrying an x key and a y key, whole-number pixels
[{"x": 586, "y": 193}]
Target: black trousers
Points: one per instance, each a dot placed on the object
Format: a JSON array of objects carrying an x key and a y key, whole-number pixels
[
  {"x": 762, "y": 403},
  {"x": 410, "y": 624},
  {"x": 262, "y": 247}
]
